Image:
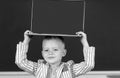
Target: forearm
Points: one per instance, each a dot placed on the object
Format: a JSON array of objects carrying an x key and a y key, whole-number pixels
[
  {"x": 87, "y": 64},
  {"x": 89, "y": 56},
  {"x": 22, "y": 49},
  {"x": 21, "y": 52},
  {"x": 21, "y": 58}
]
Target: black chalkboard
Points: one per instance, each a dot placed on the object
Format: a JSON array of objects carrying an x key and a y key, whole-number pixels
[
  {"x": 57, "y": 17},
  {"x": 101, "y": 25}
]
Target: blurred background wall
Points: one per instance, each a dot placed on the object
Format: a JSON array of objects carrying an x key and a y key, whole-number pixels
[{"x": 102, "y": 27}]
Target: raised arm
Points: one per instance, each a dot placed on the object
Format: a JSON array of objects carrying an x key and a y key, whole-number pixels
[
  {"x": 21, "y": 55},
  {"x": 89, "y": 54}
]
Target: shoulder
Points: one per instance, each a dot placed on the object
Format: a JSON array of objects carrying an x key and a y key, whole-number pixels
[
  {"x": 70, "y": 62},
  {"x": 68, "y": 65},
  {"x": 41, "y": 62}
]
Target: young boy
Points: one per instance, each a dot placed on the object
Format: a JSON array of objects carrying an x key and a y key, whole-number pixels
[{"x": 53, "y": 49}]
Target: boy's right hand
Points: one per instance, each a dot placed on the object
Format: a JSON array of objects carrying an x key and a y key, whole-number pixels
[
  {"x": 26, "y": 36},
  {"x": 84, "y": 38}
]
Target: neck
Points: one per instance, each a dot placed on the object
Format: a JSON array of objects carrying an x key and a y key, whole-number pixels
[{"x": 55, "y": 65}]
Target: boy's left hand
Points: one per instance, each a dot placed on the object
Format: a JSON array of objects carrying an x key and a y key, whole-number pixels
[{"x": 84, "y": 38}]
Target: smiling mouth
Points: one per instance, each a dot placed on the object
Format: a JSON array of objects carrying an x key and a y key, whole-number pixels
[{"x": 51, "y": 57}]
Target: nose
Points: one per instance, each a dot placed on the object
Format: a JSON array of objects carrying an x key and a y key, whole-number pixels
[{"x": 50, "y": 52}]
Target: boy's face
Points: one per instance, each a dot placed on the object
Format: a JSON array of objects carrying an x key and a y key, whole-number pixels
[{"x": 53, "y": 50}]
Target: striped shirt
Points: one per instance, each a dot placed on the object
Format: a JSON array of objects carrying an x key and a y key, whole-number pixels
[{"x": 41, "y": 69}]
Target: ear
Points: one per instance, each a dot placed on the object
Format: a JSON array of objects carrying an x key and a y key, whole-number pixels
[{"x": 64, "y": 52}]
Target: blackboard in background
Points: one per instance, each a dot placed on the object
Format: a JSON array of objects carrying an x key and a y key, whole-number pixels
[
  {"x": 102, "y": 27},
  {"x": 57, "y": 16}
]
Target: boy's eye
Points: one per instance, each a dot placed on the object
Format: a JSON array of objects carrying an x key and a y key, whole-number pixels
[
  {"x": 55, "y": 49},
  {"x": 46, "y": 50}
]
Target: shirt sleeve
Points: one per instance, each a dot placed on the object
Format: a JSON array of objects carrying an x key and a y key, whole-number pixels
[
  {"x": 21, "y": 59},
  {"x": 88, "y": 63}
]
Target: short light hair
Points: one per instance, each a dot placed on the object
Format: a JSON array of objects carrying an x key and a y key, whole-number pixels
[{"x": 60, "y": 38}]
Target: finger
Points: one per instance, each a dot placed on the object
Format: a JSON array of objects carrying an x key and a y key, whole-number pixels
[
  {"x": 27, "y": 32},
  {"x": 80, "y": 32},
  {"x": 80, "y": 35}
]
